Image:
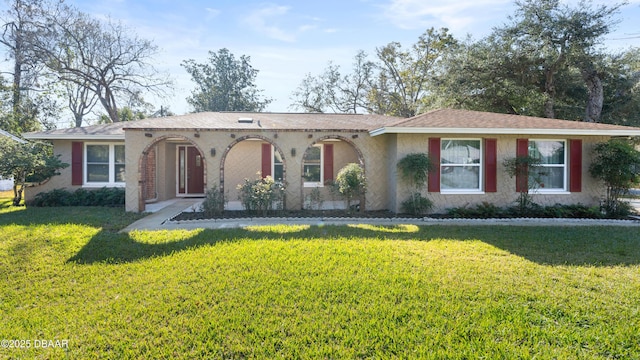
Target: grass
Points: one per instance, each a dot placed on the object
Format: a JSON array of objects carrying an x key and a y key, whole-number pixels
[{"x": 315, "y": 291}]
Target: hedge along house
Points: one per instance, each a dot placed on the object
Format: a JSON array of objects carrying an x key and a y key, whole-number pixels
[{"x": 183, "y": 156}]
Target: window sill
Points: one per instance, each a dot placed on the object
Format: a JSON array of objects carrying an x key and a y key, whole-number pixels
[
  {"x": 313, "y": 185},
  {"x": 462, "y": 192}
]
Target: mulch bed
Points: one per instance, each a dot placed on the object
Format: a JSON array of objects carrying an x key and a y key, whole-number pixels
[{"x": 241, "y": 214}]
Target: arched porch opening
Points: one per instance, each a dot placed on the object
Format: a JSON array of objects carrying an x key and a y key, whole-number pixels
[
  {"x": 322, "y": 160},
  {"x": 249, "y": 157}
]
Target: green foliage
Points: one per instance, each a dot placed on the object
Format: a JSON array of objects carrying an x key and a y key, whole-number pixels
[
  {"x": 351, "y": 183},
  {"x": 27, "y": 163},
  {"x": 261, "y": 195},
  {"x": 526, "y": 170},
  {"x": 617, "y": 164},
  {"x": 81, "y": 197},
  {"x": 415, "y": 168},
  {"x": 224, "y": 84},
  {"x": 487, "y": 210},
  {"x": 213, "y": 204},
  {"x": 417, "y": 204}
]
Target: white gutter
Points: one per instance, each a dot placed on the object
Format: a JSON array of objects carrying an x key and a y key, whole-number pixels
[
  {"x": 73, "y": 137},
  {"x": 502, "y": 131}
]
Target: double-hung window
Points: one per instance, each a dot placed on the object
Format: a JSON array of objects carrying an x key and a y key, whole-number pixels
[
  {"x": 461, "y": 165},
  {"x": 105, "y": 165},
  {"x": 551, "y": 174},
  {"x": 312, "y": 166}
]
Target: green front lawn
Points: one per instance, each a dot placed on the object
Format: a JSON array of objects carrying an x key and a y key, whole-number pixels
[{"x": 315, "y": 292}]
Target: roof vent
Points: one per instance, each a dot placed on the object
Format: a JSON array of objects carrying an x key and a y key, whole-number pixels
[{"x": 245, "y": 120}]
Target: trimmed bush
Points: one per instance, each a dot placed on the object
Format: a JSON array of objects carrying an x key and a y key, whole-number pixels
[{"x": 81, "y": 197}]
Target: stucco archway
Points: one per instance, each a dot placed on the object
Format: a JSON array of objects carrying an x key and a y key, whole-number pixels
[
  {"x": 156, "y": 168},
  {"x": 338, "y": 160},
  {"x": 242, "y": 152}
]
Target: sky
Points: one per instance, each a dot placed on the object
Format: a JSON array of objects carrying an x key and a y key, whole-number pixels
[{"x": 288, "y": 39}]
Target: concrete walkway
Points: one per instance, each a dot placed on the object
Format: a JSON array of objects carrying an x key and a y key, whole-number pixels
[{"x": 160, "y": 220}]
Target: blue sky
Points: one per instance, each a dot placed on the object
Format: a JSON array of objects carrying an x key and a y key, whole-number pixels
[{"x": 288, "y": 39}]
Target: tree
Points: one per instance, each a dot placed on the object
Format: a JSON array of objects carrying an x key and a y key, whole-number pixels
[
  {"x": 351, "y": 183},
  {"x": 405, "y": 76},
  {"x": 556, "y": 36},
  {"x": 527, "y": 171},
  {"x": 101, "y": 59},
  {"x": 23, "y": 24},
  {"x": 415, "y": 168},
  {"x": 27, "y": 163},
  {"x": 617, "y": 164},
  {"x": 333, "y": 92},
  {"x": 224, "y": 84}
]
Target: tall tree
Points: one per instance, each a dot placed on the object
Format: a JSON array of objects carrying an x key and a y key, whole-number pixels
[
  {"x": 558, "y": 36},
  {"x": 333, "y": 92},
  {"x": 105, "y": 58},
  {"x": 22, "y": 25},
  {"x": 405, "y": 76},
  {"x": 224, "y": 84}
]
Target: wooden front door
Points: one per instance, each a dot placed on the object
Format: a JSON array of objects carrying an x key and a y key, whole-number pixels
[{"x": 190, "y": 171}]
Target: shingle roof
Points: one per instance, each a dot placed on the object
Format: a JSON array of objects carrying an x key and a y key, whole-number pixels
[
  {"x": 477, "y": 122},
  {"x": 11, "y": 136},
  {"x": 266, "y": 121},
  {"x": 225, "y": 121},
  {"x": 438, "y": 121},
  {"x": 112, "y": 131}
]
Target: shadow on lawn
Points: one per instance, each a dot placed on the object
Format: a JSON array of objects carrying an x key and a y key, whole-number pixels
[{"x": 574, "y": 246}]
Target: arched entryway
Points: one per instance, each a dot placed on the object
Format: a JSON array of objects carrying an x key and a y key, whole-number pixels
[
  {"x": 171, "y": 166},
  {"x": 322, "y": 160},
  {"x": 249, "y": 157}
]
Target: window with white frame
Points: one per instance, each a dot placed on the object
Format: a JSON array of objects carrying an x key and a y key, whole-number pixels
[
  {"x": 460, "y": 165},
  {"x": 104, "y": 164},
  {"x": 312, "y": 166},
  {"x": 551, "y": 174},
  {"x": 277, "y": 165}
]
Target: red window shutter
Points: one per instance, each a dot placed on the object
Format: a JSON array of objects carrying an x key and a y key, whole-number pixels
[
  {"x": 522, "y": 180},
  {"x": 328, "y": 162},
  {"x": 266, "y": 160},
  {"x": 575, "y": 165},
  {"x": 434, "y": 156},
  {"x": 490, "y": 165},
  {"x": 77, "y": 149}
]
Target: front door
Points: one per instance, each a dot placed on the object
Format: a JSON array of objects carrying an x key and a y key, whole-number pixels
[{"x": 190, "y": 171}]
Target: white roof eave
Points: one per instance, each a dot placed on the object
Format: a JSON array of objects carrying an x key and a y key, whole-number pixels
[
  {"x": 504, "y": 131},
  {"x": 73, "y": 137}
]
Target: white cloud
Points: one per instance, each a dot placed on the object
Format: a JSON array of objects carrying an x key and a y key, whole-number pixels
[
  {"x": 211, "y": 12},
  {"x": 414, "y": 14},
  {"x": 261, "y": 19}
]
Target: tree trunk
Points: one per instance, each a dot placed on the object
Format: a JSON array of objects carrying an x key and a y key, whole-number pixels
[
  {"x": 550, "y": 92},
  {"x": 596, "y": 95}
]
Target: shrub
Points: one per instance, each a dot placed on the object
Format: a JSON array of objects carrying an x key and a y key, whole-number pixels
[
  {"x": 414, "y": 169},
  {"x": 617, "y": 164},
  {"x": 213, "y": 204},
  {"x": 261, "y": 195},
  {"x": 417, "y": 204},
  {"x": 81, "y": 197},
  {"x": 485, "y": 210},
  {"x": 351, "y": 182}
]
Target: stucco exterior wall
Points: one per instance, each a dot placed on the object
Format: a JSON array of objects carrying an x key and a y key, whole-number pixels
[
  {"x": 62, "y": 181},
  {"x": 506, "y": 195},
  {"x": 236, "y": 157}
]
